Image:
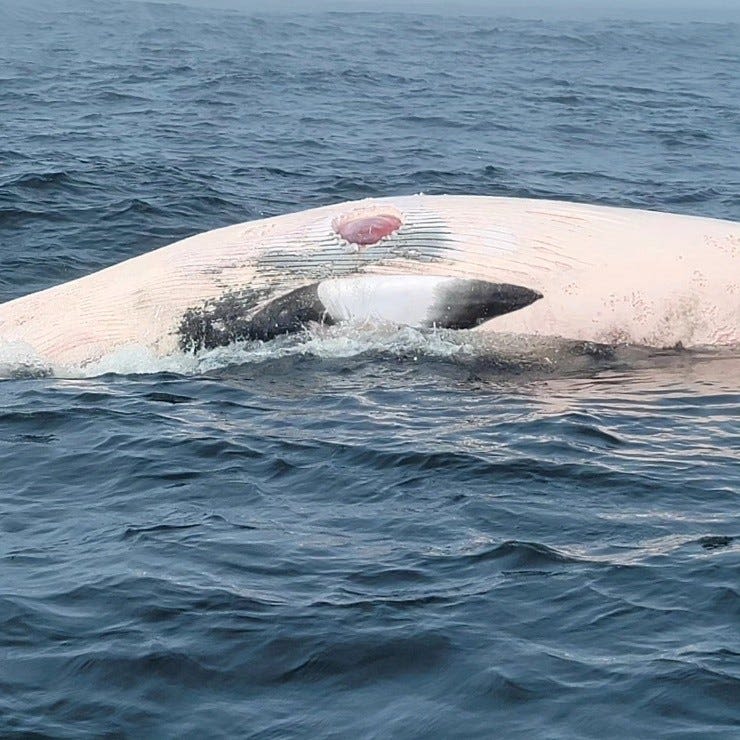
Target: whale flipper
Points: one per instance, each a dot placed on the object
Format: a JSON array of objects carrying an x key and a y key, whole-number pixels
[
  {"x": 421, "y": 300},
  {"x": 418, "y": 301}
]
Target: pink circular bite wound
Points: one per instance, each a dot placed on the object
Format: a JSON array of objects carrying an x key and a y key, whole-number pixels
[{"x": 367, "y": 230}]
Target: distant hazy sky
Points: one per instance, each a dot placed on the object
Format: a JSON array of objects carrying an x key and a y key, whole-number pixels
[{"x": 714, "y": 10}]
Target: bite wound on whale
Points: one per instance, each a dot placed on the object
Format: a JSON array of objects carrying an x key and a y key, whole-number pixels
[{"x": 365, "y": 231}]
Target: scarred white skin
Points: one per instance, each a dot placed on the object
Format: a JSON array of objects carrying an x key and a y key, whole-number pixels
[{"x": 606, "y": 274}]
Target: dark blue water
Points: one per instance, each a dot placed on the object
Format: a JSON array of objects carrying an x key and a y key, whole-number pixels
[{"x": 379, "y": 536}]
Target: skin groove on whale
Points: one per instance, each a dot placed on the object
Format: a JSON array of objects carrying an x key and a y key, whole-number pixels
[{"x": 425, "y": 239}]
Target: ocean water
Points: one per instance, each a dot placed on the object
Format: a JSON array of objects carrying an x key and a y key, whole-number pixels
[{"x": 371, "y": 534}]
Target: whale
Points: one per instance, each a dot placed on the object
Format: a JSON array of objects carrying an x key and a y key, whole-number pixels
[{"x": 535, "y": 267}]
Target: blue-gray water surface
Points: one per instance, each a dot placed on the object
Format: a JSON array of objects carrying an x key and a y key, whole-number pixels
[{"x": 396, "y": 536}]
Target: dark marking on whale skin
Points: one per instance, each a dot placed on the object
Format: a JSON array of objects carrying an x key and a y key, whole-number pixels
[
  {"x": 464, "y": 304},
  {"x": 232, "y": 318},
  {"x": 219, "y": 322},
  {"x": 289, "y": 313}
]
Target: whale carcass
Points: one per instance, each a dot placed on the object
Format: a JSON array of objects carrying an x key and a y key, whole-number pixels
[{"x": 537, "y": 267}]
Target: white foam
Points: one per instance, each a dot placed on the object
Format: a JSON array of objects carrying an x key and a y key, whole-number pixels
[
  {"x": 133, "y": 360},
  {"x": 341, "y": 341},
  {"x": 18, "y": 359},
  {"x": 344, "y": 340}
]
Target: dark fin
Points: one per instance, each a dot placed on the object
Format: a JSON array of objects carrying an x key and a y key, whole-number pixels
[
  {"x": 463, "y": 304},
  {"x": 287, "y": 314}
]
